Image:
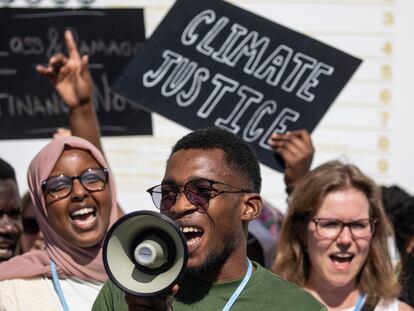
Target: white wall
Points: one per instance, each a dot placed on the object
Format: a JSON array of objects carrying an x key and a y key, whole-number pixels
[{"x": 369, "y": 124}]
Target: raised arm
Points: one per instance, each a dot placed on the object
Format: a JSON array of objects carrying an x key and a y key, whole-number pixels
[
  {"x": 72, "y": 80},
  {"x": 297, "y": 151}
]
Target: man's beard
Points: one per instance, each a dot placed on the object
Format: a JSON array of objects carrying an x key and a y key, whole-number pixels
[{"x": 215, "y": 259}]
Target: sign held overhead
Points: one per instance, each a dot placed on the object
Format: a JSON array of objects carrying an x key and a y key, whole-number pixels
[
  {"x": 29, "y": 106},
  {"x": 210, "y": 63}
]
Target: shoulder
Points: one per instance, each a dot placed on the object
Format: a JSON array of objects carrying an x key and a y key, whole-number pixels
[
  {"x": 21, "y": 284},
  {"x": 110, "y": 297},
  {"x": 17, "y": 293},
  {"x": 404, "y": 307},
  {"x": 393, "y": 305},
  {"x": 284, "y": 293}
]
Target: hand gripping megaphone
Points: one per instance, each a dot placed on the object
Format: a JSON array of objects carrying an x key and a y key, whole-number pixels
[{"x": 145, "y": 253}]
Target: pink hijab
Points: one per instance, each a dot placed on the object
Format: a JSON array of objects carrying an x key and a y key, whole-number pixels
[{"x": 70, "y": 260}]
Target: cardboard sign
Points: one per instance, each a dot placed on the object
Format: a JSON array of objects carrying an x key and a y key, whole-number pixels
[
  {"x": 29, "y": 107},
  {"x": 210, "y": 63}
]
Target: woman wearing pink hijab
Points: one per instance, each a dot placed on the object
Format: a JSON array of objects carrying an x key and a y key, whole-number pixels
[{"x": 75, "y": 203}]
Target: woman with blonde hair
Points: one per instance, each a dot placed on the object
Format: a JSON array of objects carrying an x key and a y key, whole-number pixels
[{"x": 334, "y": 241}]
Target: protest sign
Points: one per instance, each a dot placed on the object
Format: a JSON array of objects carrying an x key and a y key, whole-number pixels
[
  {"x": 29, "y": 107},
  {"x": 210, "y": 63}
]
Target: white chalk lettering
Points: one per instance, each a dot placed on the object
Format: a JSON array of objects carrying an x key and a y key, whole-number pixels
[
  {"x": 292, "y": 71},
  {"x": 249, "y": 47},
  {"x": 203, "y": 47},
  {"x": 29, "y": 105},
  {"x": 223, "y": 85},
  {"x": 185, "y": 99},
  {"x": 279, "y": 125},
  {"x": 247, "y": 97},
  {"x": 251, "y": 132},
  {"x": 303, "y": 63},
  {"x": 236, "y": 31},
  {"x": 26, "y": 45},
  {"x": 279, "y": 58},
  {"x": 178, "y": 77},
  {"x": 152, "y": 78},
  {"x": 55, "y": 46},
  {"x": 108, "y": 101},
  {"x": 312, "y": 81},
  {"x": 188, "y": 36}
]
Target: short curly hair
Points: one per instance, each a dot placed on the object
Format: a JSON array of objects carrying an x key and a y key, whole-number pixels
[
  {"x": 237, "y": 153},
  {"x": 6, "y": 171}
]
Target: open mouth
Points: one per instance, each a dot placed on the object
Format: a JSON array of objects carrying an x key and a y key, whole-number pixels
[
  {"x": 83, "y": 217},
  {"x": 342, "y": 260},
  {"x": 7, "y": 247},
  {"x": 193, "y": 236}
]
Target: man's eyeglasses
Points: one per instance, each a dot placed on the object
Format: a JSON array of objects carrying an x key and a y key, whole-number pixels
[
  {"x": 331, "y": 228},
  {"x": 93, "y": 179},
  {"x": 198, "y": 192}
]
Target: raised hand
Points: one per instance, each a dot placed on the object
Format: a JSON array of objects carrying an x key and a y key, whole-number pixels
[
  {"x": 297, "y": 151},
  {"x": 70, "y": 75}
]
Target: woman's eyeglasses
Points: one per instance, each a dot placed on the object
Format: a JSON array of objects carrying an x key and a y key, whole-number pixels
[
  {"x": 331, "y": 228},
  {"x": 93, "y": 179},
  {"x": 198, "y": 192}
]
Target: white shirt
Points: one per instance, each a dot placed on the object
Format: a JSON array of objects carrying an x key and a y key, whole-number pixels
[
  {"x": 382, "y": 306},
  {"x": 38, "y": 294}
]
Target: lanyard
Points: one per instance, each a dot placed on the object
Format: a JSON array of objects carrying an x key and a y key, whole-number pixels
[
  {"x": 360, "y": 302},
  {"x": 240, "y": 288},
  {"x": 57, "y": 287}
]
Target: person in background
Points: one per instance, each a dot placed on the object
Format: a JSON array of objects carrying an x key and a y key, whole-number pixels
[
  {"x": 32, "y": 237},
  {"x": 399, "y": 206},
  {"x": 75, "y": 203},
  {"x": 334, "y": 241},
  {"x": 211, "y": 189},
  {"x": 10, "y": 212},
  {"x": 72, "y": 80},
  {"x": 297, "y": 151},
  {"x": 264, "y": 234}
]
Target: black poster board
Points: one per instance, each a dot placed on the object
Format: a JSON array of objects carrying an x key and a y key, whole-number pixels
[
  {"x": 29, "y": 107},
  {"x": 211, "y": 63}
]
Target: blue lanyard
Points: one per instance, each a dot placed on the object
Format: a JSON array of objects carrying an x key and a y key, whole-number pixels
[
  {"x": 360, "y": 302},
  {"x": 240, "y": 288},
  {"x": 56, "y": 284}
]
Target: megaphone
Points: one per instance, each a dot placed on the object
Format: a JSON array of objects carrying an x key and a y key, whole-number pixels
[{"x": 145, "y": 253}]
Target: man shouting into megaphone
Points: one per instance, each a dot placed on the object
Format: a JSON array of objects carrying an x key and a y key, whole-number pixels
[{"x": 211, "y": 189}]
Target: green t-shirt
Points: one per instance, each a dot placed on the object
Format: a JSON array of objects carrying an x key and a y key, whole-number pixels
[{"x": 264, "y": 291}]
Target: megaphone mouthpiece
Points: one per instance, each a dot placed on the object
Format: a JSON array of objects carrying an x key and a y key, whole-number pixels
[
  {"x": 151, "y": 253},
  {"x": 145, "y": 253}
]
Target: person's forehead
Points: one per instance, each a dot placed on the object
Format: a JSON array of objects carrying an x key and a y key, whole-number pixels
[
  {"x": 9, "y": 194},
  {"x": 71, "y": 158},
  {"x": 8, "y": 187},
  {"x": 344, "y": 204},
  {"x": 198, "y": 163}
]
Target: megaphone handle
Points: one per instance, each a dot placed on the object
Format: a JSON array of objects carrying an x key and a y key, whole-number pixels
[{"x": 56, "y": 285}]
